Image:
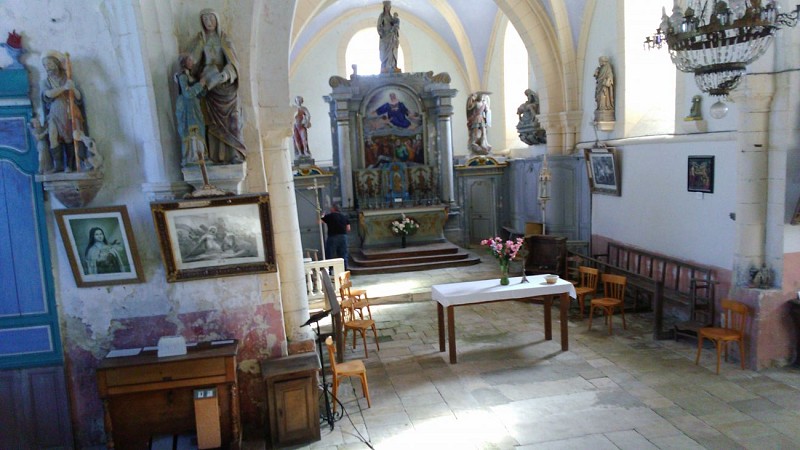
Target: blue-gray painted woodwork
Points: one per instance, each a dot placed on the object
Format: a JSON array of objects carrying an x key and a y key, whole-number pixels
[{"x": 32, "y": 378}]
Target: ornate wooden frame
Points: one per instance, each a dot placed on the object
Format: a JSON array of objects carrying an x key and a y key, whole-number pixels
[{"x": 241, "y": 242}]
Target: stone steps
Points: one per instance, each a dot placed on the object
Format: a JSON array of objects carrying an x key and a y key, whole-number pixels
[{"x": 411, "y": 258}]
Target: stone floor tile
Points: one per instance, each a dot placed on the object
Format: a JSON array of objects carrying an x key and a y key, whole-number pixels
[
  {"x": 630, "y": 440},
  {"x": 676, "y": 442},
  {"x": 594, "y": 442}
]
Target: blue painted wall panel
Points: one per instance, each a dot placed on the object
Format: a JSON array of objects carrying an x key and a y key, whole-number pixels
[
  {"x": 26, "y": 340},
  {"x": 23, "y": 237}
]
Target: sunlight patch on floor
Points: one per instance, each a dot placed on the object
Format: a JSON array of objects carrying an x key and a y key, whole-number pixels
[{"x": 393, "y": 288}]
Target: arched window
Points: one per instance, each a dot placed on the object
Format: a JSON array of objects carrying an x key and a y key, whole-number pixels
[
  {"x": 362, "y": 50},
  {"x": 515, "y": 81},
  {"x": 649, "y": 74}
]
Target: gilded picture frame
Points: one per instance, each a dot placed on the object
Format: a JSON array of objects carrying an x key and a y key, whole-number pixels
[
  {"x": 215, "y": 237},
  {"x": 100, "y": 245}
]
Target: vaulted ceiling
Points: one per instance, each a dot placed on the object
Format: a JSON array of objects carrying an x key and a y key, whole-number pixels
[{"x": 466, "y": 26}]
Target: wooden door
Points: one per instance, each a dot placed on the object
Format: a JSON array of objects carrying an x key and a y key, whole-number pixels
[
  {"x": 481, "y": 209},
  {"x": 35, "y": 412}
]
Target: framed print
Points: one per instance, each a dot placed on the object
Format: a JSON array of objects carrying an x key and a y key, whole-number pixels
[
  {"x": 100, "y": 245},
  {"x": 215, "y": 237},
  {"x": 700, "y": 177},
  {"x": 602, "y": 166}
]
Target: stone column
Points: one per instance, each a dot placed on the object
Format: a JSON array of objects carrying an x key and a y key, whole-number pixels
[
  {"x": 285, "y": 226},
  {"x": 345, "y": 161},
  {"x": 444, "y": 143},
  {"x": 753, "y": 174},
  {"x": 144, "y": 47},
  {"x": 570, "y": 123},
  {"x": 552, "y": 124}
]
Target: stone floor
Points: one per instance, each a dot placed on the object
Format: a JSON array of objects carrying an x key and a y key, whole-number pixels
[{"x": 512, "y": 389}]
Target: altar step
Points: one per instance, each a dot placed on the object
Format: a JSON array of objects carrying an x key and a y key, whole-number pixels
[{"x": 411, "y": 258}]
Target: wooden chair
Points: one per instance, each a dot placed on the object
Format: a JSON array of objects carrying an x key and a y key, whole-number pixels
[
  {"x": 588, "y": 277},
  {"x": 614, "y": 296},
  {"x": 354, "y": 295},
  {"x": 353, "y": 368},
  {"x": 734, "y": 320},
  {"x": 361, "y": 322}
]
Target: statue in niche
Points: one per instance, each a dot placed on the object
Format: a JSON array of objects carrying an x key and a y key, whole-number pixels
[
  {"x": 761, "y": 278},
  {"x": 479, "y": 119},
  {"x": 62, "y": 131},
  {"x": 189, "y": 113},
  {"x": 528, "y": 127},
  {"x": 695, "y": 111},
  {"x": 302, "y": 122},
  {"x": 604, "y": 91},
  {"x": 218, "y": 65},
  {"x": 389, "y": 32}
]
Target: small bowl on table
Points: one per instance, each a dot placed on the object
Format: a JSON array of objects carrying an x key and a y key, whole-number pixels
[{"x": 551, "y": 279}]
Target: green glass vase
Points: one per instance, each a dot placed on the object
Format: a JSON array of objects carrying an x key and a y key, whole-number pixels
[{"x": 504, "y": 273}]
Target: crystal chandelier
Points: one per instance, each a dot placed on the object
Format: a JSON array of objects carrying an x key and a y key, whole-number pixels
[{"x": 716, "y": 40}]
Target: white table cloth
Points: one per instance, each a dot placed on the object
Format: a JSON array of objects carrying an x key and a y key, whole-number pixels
[{"x": 485, "y": 291}]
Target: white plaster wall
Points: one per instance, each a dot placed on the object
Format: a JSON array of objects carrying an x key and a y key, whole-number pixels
[
  {"x": 310, "y": 79},
  {"x": 657, "y": 213}
]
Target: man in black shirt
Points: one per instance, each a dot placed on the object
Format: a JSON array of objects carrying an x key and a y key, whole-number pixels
[{"x": 338, "y": 227}]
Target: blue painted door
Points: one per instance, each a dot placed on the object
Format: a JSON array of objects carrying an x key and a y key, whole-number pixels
[{"x": 32, "y": 378}]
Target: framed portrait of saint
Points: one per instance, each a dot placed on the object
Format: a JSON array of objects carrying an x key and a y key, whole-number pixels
[{"x": 100, "y": 245}]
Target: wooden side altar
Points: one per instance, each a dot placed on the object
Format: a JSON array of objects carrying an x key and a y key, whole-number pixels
[{"x": 374, "y": 225}]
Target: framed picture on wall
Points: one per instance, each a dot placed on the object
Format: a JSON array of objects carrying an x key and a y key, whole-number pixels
[
  {"x": 100, "y": 245},
  {"x": 700, "y": 176},
  {"x": 602, "y": 165},
  {"x": 215, "y": 237}
]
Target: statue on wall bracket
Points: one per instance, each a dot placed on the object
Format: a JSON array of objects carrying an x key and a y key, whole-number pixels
[
  {"x": 479, "y": 119},
  {"x": 529, "y": 129},
  {"x": 208, "y": 112},
  {"x": 70, "y": 165},
  {"x": 604, "y": 115}
]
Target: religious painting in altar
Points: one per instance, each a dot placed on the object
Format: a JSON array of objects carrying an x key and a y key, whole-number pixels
[{"x": 393, "y": 127}]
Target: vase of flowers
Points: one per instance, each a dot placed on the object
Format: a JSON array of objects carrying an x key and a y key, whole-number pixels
[
  {"x": 504, "y": 251},
  {"x": 406, "y": 226}
]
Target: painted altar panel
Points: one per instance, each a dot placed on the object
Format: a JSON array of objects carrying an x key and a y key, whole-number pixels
[
  {"x": 393, "y": 127},
  {"x": 375, "y": 226}
]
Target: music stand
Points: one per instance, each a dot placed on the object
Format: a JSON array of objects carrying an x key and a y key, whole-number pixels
[{"x": 335, "y": 311}]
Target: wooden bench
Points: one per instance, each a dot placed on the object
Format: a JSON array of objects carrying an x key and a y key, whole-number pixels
[{"x": 657, "y": 281}]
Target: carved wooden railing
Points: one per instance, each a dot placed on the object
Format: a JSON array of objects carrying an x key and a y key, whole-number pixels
[{"x": 314, "y": 277}]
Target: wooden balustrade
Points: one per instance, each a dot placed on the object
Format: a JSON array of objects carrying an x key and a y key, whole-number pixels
[{"x": 313, "y": 276}]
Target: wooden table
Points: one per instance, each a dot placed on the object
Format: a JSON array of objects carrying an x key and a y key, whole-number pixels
[
  {"x": 145, "y": 395},
  {"x": 486, "y": 291}
]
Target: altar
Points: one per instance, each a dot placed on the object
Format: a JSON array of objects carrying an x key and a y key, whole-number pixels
[{"x": 375, "y": 225}]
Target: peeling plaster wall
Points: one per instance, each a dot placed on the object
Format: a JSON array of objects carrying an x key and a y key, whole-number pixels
[{"x": 95, "y": 320}]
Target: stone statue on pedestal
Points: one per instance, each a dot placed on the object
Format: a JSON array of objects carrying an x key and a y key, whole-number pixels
[{"x": 479, "y": 119}]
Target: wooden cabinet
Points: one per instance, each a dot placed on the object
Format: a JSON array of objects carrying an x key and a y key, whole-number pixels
[
  {"x": 292, "y": 398},
  {"x": 546, "y": 254},
  {"x": 145, "y": 395}
]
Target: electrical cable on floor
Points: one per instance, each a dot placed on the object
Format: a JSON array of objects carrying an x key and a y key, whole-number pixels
[{"x": 360, "y": 437}]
